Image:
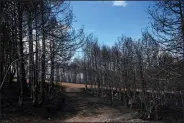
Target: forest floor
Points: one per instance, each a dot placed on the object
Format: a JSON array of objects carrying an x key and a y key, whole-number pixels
[{"x": 79, "y": 107}]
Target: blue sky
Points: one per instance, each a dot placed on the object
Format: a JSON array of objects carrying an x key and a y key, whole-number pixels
[{"x": 109, "y": 20}]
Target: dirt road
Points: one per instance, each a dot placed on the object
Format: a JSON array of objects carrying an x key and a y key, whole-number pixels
[
  {"x": 91, "y": 109},
  {"x": 79, "y": 107}
]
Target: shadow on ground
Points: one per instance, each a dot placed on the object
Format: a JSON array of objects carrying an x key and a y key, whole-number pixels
[{"x": 75, "y": 102}]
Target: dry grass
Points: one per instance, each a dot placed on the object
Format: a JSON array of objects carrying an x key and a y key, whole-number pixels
[
  {"x": 74, "y": 85},
  {"x": 71, "y": 85},
  {"x": 82, "y": 86}
]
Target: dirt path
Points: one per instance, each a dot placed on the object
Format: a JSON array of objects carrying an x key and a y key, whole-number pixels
[
  {"x": 79, "y": 107},
  {"x": 91, "y": 109}
]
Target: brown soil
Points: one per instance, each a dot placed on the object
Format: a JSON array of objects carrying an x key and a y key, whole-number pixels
[
  {"x": 78, "y": 107},
  {"x": 71, "y": 85}
]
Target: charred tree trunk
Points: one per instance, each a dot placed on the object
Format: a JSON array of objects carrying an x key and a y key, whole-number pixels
[
  {"x": 31, "y": 56},
  {"x": 23, "y": 84},
  {"x": 52, "y": 67},
  {"x": 1, "y": 62},
  {"x": 43, "y": 56},
  {"x": 35, "y": 96},
  {"x": 143, "y": 84}
]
